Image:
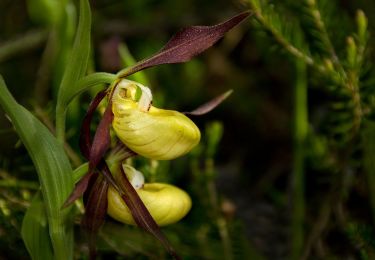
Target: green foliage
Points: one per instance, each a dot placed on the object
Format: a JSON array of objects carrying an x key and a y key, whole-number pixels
[
  {"x": 76, "y": 67},
  {"x": 35, "y": 230},
  {"x": 363, "y": 238},
  {"x": 338, "y": 70},
  {"x": 54, "y": 172},
  {"x": 46, "y": 12}
]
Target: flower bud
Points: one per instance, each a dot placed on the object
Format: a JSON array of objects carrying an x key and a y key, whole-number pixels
[{"x": 149, "y": 131}]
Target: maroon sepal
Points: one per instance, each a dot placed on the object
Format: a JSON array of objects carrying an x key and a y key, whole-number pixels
[
  {"x": 210, "y": 105},
  {"x": 141, "y": 214},
  {"x": 102, "y": 138},
  {"x": 85, "y": 146},
  {"x": 186, "y": 44},
  {"x": 96, "y": 204},
  {"x": 79, "y": 189},
  {"x": 85, "y": 139}
]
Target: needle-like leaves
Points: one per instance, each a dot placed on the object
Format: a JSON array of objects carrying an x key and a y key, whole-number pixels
[{"x": 186, "y": 44}]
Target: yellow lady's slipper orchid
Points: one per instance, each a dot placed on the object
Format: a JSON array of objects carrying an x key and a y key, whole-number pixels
[
  {"x": 166, "y": 203},
  {"x": 149, "y": 131}
]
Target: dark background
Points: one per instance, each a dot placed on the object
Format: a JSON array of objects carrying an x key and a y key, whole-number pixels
[{"x": 253, "y": 161}]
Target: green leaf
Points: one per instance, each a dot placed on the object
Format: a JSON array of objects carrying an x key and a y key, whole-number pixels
[
  {"x": 53, "y": 167},
  {"x": 90, "y": 81},
  {"x": 80, "y": 171},
  {"x": 76, "y": 66},
  {"x": 35, "y": 230}
]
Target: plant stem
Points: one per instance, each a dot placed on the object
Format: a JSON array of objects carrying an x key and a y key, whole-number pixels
[
  {"x": 300, "y": 132},
  {"x": 220, "y": 220},
  {"x": 62, "y": 240}
]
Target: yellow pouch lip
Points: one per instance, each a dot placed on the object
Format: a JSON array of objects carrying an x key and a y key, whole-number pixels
[
  {"x": 166, "y": 203},
  {"x": 158, "y": 134}
]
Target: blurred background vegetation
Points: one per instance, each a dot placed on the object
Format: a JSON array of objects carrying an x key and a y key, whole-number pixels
[{"x": 286, "y": 165}]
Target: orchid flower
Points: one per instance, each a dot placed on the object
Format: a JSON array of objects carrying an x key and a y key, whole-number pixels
[{"x": 143, "y": 130}]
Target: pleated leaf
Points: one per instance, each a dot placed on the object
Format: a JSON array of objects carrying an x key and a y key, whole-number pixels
[
  {"x": 35, "y": 230},
  {"x": 77, "y": 64},
  {"x": 52, "y": 165}
]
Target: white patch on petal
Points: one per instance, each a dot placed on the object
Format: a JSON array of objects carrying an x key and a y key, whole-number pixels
[{"x": 135, "y": 177}]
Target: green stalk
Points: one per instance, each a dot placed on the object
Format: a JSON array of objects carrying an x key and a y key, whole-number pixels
[
  {"x": 214, "y": 132},
  {"x": 75, "y": 68},
  {"x": 221, "y": 223},
  {"x": 54, "y": 172},
  {"x": 82, "y": 85},
  {"x": 300, "y": 119},
  {"x": 62, "y": 239}
]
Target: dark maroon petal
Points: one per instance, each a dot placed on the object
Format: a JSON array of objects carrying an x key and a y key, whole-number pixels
[
  {"x": 79, "y": 189},
  {"x": 210, "y": 105},
  {"x": 104, "y": 169},
  {"x": 85, "y": 139},
  {"x": 141, "y": 214},
  {"x": 85, "y": 146},
  {"x": 95, "y": 211},
  {"x": 102, "y": 138},
  {"x": 186, "y": 44}
]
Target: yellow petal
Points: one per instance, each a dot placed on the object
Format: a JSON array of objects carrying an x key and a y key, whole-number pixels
[
  {"x": 166, "y": 203},
  {"x": 157, "y": 133}
]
